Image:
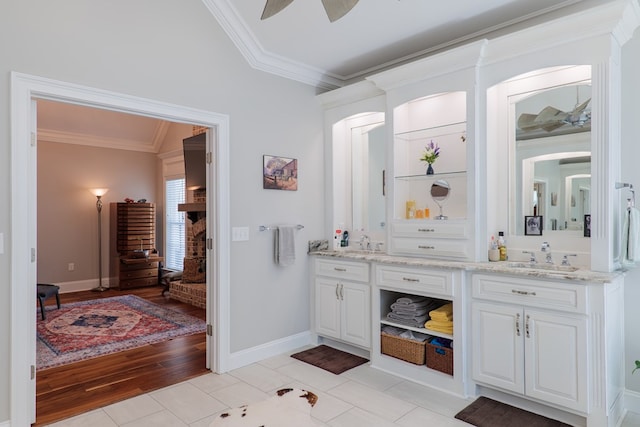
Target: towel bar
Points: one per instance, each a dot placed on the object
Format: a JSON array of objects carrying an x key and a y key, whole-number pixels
[{"x": 275, "y": 227}]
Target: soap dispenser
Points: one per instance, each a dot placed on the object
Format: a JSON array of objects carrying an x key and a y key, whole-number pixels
[{"x": 502, "y": 246}]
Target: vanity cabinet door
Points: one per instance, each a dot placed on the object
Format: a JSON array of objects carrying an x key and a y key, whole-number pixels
[
  {"x": 497, "y": 346},
  {"x": 343, "y": 311},
  {"x": 328, "y": 310},
  {"x": 556, "y": 366},
  {"x": 531, "y": 352},
  {"x": 355, "y": 299}
]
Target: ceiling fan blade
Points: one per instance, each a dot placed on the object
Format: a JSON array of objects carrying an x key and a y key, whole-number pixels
[
  {"x": 274, "y": 6},
  {"x": 336, "y": 9}
]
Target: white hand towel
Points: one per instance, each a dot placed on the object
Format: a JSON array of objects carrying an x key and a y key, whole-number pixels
[
  {"x": 631, "y": 237},
  {"x": 285, "y": 249}
]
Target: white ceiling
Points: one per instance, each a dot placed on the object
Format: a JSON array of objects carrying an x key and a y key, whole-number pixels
[
  {"x": 373, "y": 35},
  {"x": 300, "y": 43}
]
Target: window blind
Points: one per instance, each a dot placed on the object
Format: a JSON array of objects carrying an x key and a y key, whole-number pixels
[{"x": 175, "y": 224}]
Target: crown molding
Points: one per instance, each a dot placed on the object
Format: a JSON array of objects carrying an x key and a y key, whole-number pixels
[
  {"x": 76, "y": 138},
  {"x": 258, "y": 58}
]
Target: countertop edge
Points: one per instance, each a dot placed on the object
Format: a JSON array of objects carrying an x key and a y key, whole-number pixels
[{"x": 488, "y": 267}]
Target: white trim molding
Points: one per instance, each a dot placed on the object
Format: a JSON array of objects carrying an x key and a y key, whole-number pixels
[{"x": 25, "y": 91}]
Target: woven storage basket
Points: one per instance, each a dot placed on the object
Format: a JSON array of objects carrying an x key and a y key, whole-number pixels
[
  {"x": 402, "y": 348},
  {"x": 439, "y": 358}
]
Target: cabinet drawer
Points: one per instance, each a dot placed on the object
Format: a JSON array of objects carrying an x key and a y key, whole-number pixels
[
  {"x": 132, "y": 274},
  {"x": 430, "y": 247},
  {"x": 533, "y": 293},
  {"x": 343, "y": 269},
  {"x": 415, "y": 280},
  {"x": 137, "y": 283},
  {"x": 139, "y": 266},
  {"x": 428, "y": 229}
]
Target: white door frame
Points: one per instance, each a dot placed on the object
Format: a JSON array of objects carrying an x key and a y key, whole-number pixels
[{"x": 25, "y": 91}]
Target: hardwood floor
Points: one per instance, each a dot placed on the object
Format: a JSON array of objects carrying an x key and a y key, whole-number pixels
[{"x": 64, "y": 391}]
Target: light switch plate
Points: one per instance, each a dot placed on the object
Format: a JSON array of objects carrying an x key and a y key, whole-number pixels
[{"x": 239, "y": 234}]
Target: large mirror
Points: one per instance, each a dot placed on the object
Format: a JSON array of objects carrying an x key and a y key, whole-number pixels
[
  {"x": 551, "y": 157},
  {"x": 367, "y": 177},
  {"x": 359, "y": 153}
]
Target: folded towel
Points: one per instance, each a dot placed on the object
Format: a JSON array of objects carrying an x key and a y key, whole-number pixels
[
  {"x": 439, "y": 328},
  {"x": 417, "y": 322},
  {"x": 417, "y": 312},
  {"x": 439, "y": 324},
  {"x": 442, "y": 313},
  {"x": 411, "y": 299},
  {"x": 285, "y": 251},
  {"x": 396, "y": 316},
  {"x": 411, "y": 306},
  {"x": 631, "y": 237}
]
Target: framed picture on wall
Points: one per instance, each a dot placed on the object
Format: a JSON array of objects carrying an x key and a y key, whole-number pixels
[
  {"x": 279, "y": 173},
  {"x": 533, "y": 225}
]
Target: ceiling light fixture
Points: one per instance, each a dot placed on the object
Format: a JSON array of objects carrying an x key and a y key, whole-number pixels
[{"x": 335, "y": 9}]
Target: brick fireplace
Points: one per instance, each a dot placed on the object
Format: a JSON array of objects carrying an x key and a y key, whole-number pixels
[{"x": 191, "y": 289}]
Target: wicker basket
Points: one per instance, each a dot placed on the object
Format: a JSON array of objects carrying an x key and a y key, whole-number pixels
[
  {"x": 402, "y": 348},
  {"x": 439, "y": 358}
]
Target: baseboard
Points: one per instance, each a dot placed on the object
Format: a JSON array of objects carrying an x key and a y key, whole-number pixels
[
  {"x": 632, "y": 401},
  {"x": 270, "y": 349},
  {"x": 80, "y": 285}
]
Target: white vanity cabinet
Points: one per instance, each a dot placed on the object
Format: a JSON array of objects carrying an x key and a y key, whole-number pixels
[
  {"x": 343, "y": 301},
  {"x": 543, "y": 340},
  {"x": 432, "y": 103},
  {"x": 442, "y": 285},
  {"x": 531, "y": 352}
]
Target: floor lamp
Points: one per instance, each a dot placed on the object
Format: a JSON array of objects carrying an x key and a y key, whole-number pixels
[{"x": 99, "y": 192}]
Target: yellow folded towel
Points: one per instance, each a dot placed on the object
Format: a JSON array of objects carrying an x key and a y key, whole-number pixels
[
  {"x": 444, "y": 327},
  {"x": 443, "y": 313}
]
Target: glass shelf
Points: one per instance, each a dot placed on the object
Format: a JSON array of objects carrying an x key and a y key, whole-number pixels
[
  {"x": 434, "y": 132},
  {"x": 432, "y": 177}
]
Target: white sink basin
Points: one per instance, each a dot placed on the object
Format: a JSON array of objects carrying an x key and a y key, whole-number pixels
[{"x": 541, "y": 266}]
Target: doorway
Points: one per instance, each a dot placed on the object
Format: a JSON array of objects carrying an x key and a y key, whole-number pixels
[{"x": 26, "y": 90}]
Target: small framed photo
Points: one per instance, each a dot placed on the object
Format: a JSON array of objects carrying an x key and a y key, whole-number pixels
[
  {"x": 533, "y": 226},
  {"x": 587, "y": 225},
  {"x": 279, "y": 173}
]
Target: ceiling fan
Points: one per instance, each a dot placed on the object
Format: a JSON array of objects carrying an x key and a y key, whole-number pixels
[{"x": 335, "y": 9}]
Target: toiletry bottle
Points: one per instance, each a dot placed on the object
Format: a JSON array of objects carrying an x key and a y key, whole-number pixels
[
  {"x": 345, "y": 239},
  {"x": 411, "y": 209},
  {"x": 494, "y": 252},
  {"x": 337, "y": 239},
  {"x": 502, "y": 246}
]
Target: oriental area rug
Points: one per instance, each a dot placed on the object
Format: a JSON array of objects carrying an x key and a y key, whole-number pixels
[{"x": 87, "y": 329}]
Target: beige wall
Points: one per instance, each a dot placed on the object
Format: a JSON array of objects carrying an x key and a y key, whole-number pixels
[{"x": 67, "y": 215}]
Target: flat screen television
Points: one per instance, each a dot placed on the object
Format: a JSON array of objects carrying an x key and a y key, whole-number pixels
[{"x": 195, "y": 163}]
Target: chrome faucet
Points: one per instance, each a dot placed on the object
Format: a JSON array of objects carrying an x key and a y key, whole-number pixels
[
  {"x": 565, "y": 259},
  {"x": 546, "y": 249},
  {"x": 365, "y": 242},
  {"x": 532, "y": 258}
]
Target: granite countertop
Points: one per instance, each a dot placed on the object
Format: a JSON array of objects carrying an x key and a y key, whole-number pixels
[{"x": 502, "y": 267}]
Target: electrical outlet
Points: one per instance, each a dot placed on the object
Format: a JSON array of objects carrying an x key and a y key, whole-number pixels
[{"x": 71, "y": 266}]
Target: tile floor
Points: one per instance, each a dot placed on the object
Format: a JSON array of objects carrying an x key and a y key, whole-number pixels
[{"x": 360, "y": 397}]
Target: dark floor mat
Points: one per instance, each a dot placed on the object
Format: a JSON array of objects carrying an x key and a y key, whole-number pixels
[
  {"x": 485, "y": 412},
  {"x": 330, "y": 359}
]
